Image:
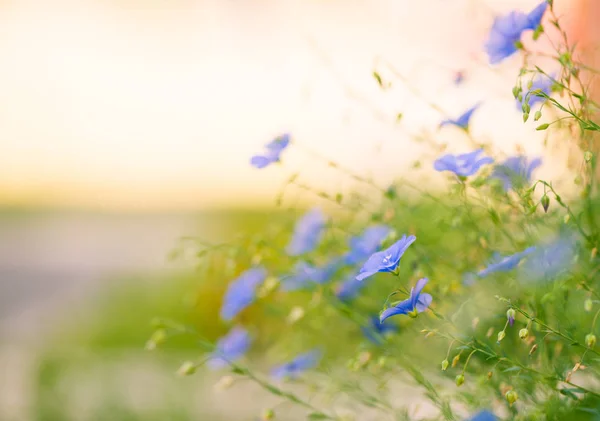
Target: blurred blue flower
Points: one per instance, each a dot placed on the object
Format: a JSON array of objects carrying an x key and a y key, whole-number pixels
[
  {"x": 507, "y": 30},
  {"x": 307, "y": 233},
  {"x": 305, "y": 274},
  {"x": 543, "y": 84},
  {"x": 484, "y": 415},
  {"x": 549, "y": 261},
  {"x": 386, "y": 260},
  {"x": 417, "y": 303},
  {"x": 366, "y": 244},
  {"x": 505, "y": 264},
  {"x": 463, "y": 120},
  {"x": 376, "y": 329},
  {"x": 349, "y": 289},
  {"x": 297, "y": 366},
  {"x": 515, "y": 171},
  {"x": 241, "y": 292},
  {"x": 459, "y": 77},
  {"x": 462, "y": 165},
  {"x": 230, "y": 348},
  {"x": 272, "y": 152}
]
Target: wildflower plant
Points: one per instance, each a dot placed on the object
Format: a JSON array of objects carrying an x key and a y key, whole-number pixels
[{"x": 500, "y": 278}]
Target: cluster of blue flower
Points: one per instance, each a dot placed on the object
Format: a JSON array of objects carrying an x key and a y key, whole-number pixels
[{"x": 515, "y": 173}]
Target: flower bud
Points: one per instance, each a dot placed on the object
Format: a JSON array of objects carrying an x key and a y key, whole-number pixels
[
  {"x": 542, "y": 127},
  {"x": 158, "y": 337},
  {"x": 187, "y": 369},
  {"x": 511, "y": 397},
  {"x": 523, "y": 333},
  {"x": 545, "y": 202},
  {"x": 268, "y": 414},
  {"x": 455, "y": 360},
  {"x": 590, "y": 340},
  {"x": 460, "y": 380},
  {"x": 224, "y": 383},
  {"x": 537, "y": 115},
  {"x": 445, "y": 364},
  {"x": 533, "y": 349},
  {"x": 588, "y": 304},
  {"x": 501, "y": 335},
  {"x": 510, "y": 315},
  {"x": 525, "y": 117},
  {"x": 296, "y": 314},
  {"x": 490, "y": 374}
]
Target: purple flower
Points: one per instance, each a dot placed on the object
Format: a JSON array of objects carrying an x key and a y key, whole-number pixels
[
  {"x": 272, "y": 152},
  {"x": 484, "y": 415},
  {"x": 515, "y": 171},
  {"x": 306, "y": 274},
  {"x": 363, "y": 246},
  {"x": 543, "y": 84},
  {"x": 241, "y": 292},
  {"x": 297, "y": 366},
  {"x": 386, "y": 260},
  {"x": 376, "y": 329},
  {"x": 417, "y": 303},
  {"x": 307, "y": 233},
  {"x": 462, "y": 165},
  {"x": 463, "y": 120},
  {"x": 505, "y": 264},
  {"x": 230, "y": 348},
  {"x": 507, "y": 30}
]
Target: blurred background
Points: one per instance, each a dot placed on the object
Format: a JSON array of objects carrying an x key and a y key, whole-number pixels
[{"x": 127, "y": 125}]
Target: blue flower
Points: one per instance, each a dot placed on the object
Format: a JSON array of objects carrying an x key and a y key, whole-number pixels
[
  {"x": 549, "y": 261},
  {"x": 230, "y": 348},
  {"x": 349, "y": 289},
  {"x": 505, "y": 264},
  {"x": 463, "y": 120},
  {"x": 307, "y": 233},
  {"x": 507, "y": 30},
  {"x": 363, "y": 246},
  {"x": 241, "y": 292},
  {"x": 272, "y": 152},
  {"x": 295, "y": 367},
  {"x": 417, "y": 303},
  {"x": 386, "y": 260},
  {"x": 459, "y": 77},
  {"x": 543, "y": 84},
  {"x": 515, "y": 171},
  {"x": 462, "y": 165},
  {"x": 305, "y": 274},
  {"x": 484, "y": 415},
  {"x": 376, "y": 329}
]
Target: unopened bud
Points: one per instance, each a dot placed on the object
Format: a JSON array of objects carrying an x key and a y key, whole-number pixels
[
  {"x": 542, "y": 127},
  {"x": 523, "y": 333},
  {"x": 224, "y": 382},
  {"x": 490, "y": 374},
  {"x": 268, "y": 414},
  {"x": 460, "y": 380},
  {"x": 511, "y": 397},
  {"x": 537, "y": 115},
  {"x": 296, "y": 314},
  {"x": 590, "y": 340},
  {"x": 501, "y": 335},
  {"x": 187, "y": 369},
  {"x": 533, "y": 349},
  {"x": 455, "y": 360},
  {"x": 525, "y": 117},
  {"x": 545, "y": 202},
  {"x": 510, "y": 315},
  {"x": 158, "y": 337},
  {"x": 588, "y": 304},
  {"x": 445, "y": 364}
]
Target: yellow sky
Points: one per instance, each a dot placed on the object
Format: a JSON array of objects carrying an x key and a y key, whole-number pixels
[{"x": 160, "y": 103}]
